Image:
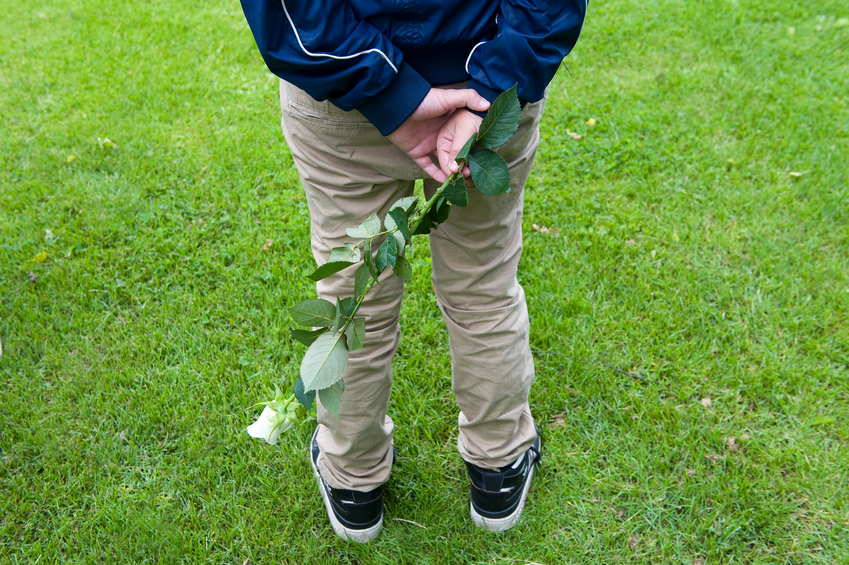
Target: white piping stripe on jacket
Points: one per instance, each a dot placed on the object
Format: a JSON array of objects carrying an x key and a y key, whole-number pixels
[
  {"x": 469, "y": 58},
  {"x": 337, "y": 57}
]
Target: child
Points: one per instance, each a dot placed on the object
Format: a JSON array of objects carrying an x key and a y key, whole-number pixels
[{"x": 369, "y": 91}]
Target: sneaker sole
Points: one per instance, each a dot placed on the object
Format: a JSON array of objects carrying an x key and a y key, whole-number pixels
[
  {"x": 502, "y": 524},
  {"x": 347, "y": 534}
]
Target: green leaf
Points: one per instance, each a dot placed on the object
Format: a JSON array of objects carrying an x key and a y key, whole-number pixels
[
  {"x": 400, "y": 243},
  {"x": 369, "y": 260},
  {"x": 502, "y": 120},
  {"x": 403, "y": 268},
  {"x": 398, "y": 218},
  {"x": 387, "y": 253},
  {"x": 356, "y": 334},
  {"x": 372, "y": 225},
  {"x": 305, "y": 398},
  {"x": 361, "y": 280},
  {"x": 349, "y": 306},
  {"x": 395, "y": 229},
  {"x": 339, "y": 321},
  {"x": 314, "y": 313},
  {"x": 306, "y": 336},
  {"x": 456, "y": 193},
  {"x": 331, "y": 397},
  {"x": 324, "y": 361},
  {"x": 439, "y": 212},
  {"x": 349, "y": 253},
  {"x": 424, "y": 226},
  {"x": 359, "y": 232},
  {"x": 329, "y": 269},
  {"x": 489, "y": 172},
  {"x": 367, "y": 229},
  {"x": 464, "y": 152},
  {"x": 442, "y": 213},
  {"x": 345, "y": 308},
  {"x": 407, "y": 203}
]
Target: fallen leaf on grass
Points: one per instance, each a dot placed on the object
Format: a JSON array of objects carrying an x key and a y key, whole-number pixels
[
  {"x": 32, "y": 277},
  {"x": 70, "y": 159},
  {"x": 731, "y": 441},
  {"x": 267, "y": 245},
  {"x": 591, "y": 122},
  {"x": 632, "y": 542},
  {"x": 572, "y": 134},
  {"x": 39, "y": 257},
  {"x": 691, "y": 473},
  {"x": 553, "y": 232},
  {"x": 714, "y": 458},
  {"x": 698, "y": 561},
  {"x": 797, "y": 173},
  {"x": 558, "y": 421},
  {"x": 247, "y": 561},
  {"x": 706, "y": 402}
]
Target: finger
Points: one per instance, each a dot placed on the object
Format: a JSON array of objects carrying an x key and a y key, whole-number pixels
[
  {"x": 430, "y": 168},
  {"x": 463, "y": 98},
  {"x": 456, "y": 146},
  {"x": 478, "y": 103},
  {"x": 443, "y": 148}
]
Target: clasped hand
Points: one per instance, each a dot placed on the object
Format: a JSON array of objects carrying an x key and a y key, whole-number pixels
[{"x": 440, "y": 125}]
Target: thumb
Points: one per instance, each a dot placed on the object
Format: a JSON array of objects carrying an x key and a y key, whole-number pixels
[{"x": 463, "y": 98}]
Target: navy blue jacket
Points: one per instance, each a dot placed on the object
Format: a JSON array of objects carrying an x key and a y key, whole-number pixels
[{"x": 382, "y": 56}]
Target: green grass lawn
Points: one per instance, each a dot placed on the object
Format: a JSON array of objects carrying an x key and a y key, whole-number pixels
[{"x": 701, "y": 241}]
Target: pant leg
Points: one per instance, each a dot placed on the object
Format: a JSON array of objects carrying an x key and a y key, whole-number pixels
[
  {"x": 475, "y": 258},
  {"x": 349, "y": 171}
]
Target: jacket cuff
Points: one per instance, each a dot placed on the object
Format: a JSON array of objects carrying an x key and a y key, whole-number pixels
[
  {"x": 390, "y": 107},
  {"x": 484, "y": 91},
  {"x": 489, "y": 94}
]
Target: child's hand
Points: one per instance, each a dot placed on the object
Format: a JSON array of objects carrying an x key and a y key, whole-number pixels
[
  {"x": 417, "y": 136},
  {"x": 452, "y": 137}
]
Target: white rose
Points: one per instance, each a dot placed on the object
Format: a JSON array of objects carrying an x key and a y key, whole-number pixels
[{"x": 269, "y": 425}]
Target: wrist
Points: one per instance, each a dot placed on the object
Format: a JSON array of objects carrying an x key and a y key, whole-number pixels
[{"x": 391, "y": 107}]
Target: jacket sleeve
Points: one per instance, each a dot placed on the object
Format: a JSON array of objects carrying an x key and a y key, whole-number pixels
[
  {"x": 321, "y": 47},
  {"x": 532, "y": 39}
]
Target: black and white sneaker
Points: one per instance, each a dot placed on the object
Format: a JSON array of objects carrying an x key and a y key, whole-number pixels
[
  {"x": 355, "y": 516},
  {"x": 498, "y": 497}
]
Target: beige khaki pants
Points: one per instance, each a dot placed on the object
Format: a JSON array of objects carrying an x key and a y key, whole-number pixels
[{"x": 350, "y": 171}]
